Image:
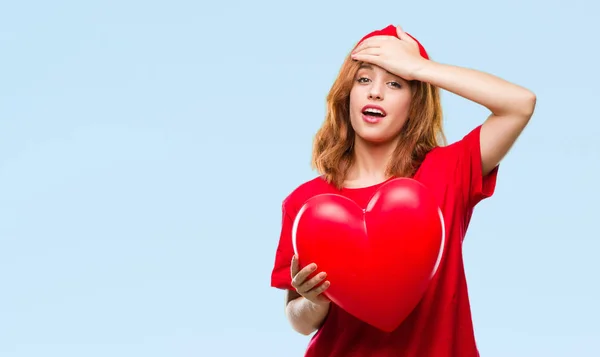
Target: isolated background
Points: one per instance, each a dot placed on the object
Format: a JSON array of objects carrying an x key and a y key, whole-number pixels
[{"x": 146, "y": 146}]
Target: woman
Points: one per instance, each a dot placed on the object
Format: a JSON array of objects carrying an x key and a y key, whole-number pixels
[{"x": 384, "y": 120}]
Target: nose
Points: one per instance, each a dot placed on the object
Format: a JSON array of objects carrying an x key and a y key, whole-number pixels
[{"x": 375, "y": 92}]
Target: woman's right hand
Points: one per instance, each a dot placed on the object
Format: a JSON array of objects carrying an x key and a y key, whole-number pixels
[{"x": 308, "y": 288}]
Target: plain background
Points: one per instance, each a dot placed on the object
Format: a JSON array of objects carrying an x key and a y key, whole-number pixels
[{"x": 146, "y": 146}]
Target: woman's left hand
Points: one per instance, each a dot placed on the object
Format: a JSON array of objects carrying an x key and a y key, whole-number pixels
[{"x": 398, "y": 55}]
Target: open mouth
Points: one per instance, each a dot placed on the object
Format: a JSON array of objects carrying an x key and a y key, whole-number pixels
[{"x": 373, "y": 114}]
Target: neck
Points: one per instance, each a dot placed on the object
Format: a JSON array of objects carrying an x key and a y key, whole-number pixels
[{"x": 370, "y": 163}]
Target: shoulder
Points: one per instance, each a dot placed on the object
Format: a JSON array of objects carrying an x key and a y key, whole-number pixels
[
  {"x": 448, "y": 156},
  {"x": 457, "y": 168},
  {"x": 295, "y": 199}
]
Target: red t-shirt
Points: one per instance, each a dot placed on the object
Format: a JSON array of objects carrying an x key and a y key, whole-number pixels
[{"x": 441, "y": 325}]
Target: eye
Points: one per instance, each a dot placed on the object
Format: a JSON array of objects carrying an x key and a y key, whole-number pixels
[
  {"x": 396, "y": 84},
  {"x": 362, "y": 80}
]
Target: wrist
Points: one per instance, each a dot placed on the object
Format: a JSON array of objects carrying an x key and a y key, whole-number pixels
[
  {"x": 422, "y": 71},
  {"x": 317, "y": 306}
]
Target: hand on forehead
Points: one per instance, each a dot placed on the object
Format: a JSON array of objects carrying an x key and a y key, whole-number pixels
[{"x": 392, "y": 30}]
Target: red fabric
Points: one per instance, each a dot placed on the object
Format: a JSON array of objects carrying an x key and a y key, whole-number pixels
[
  {"x": 391, "y": 31},
  {"x": 441, "y": 324}
]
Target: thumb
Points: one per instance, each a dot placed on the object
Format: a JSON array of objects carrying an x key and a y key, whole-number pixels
[
  {"x": 400, "y": 32},
  {"x": 404, "y": 36},
  {"x": 294, "y": 266}
]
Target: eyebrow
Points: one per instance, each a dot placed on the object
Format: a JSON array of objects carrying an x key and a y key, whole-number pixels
[{"x": 365, "y": 65}]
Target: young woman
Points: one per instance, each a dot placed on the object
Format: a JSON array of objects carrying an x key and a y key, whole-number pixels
[{"x": 384, "y": 120}]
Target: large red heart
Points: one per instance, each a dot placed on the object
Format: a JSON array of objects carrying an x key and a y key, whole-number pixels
[{"x": 379, "y": 260}]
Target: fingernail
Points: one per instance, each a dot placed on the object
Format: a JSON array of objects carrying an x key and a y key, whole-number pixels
[{"x": 313, "y": 267}]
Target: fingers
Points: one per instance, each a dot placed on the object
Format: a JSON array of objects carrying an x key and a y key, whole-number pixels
[
  {"x": 373, "y": 59},
  {"x": 294, "y": 267},
  {"x": 369, "y": 43},
  {"x": 400, "y": 32},
  {"x": 316, "y": 295},
  {"x": 370, "y": 51},
  {"x": 358, "y": 48},
  {"x": 321, "y": 288},
  {"x": 308, "y": 289},
  {"x": 404, "y": 36},
  {"x": 299, "y": 278},
  {"x": 309, "y": 285},
  {"x": 369, "y": 55}
]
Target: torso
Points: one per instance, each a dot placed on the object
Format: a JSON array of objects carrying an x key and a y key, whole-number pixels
[{"x": 441, "y": 324}]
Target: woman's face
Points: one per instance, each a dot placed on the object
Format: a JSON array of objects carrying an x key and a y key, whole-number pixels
[{"x": 379, "y": 104}]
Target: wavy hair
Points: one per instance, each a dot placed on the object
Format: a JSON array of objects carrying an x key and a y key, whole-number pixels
[{"x": 333, "y": 145}]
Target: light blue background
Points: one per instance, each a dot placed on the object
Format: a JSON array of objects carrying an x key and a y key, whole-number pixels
[{"x": 146, "y": 146}]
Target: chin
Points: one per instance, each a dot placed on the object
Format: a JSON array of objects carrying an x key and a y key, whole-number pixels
[
  {"x": 383, "y": 132},
  {"x": 375, "y": 138}
]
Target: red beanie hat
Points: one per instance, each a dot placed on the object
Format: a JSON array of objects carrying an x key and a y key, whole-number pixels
[{"x": 391, "y": 31}]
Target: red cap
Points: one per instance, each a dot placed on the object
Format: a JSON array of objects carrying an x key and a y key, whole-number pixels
[{"x": 391, "y": 31}]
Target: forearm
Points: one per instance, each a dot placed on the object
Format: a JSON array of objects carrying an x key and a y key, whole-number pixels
[
  {"x": 499, "y": 96},
  {"x": 305, "y": 316}
]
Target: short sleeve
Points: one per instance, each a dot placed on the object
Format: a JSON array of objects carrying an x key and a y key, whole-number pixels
[
  {"x": 281, "y": 277},
  {"x": 476, "y": 186}
]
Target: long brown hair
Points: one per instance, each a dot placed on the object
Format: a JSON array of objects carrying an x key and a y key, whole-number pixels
[{"x": 333, "y": 144}]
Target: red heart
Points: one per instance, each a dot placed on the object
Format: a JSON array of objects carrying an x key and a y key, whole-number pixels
[{"x": 379, "y": 260}]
